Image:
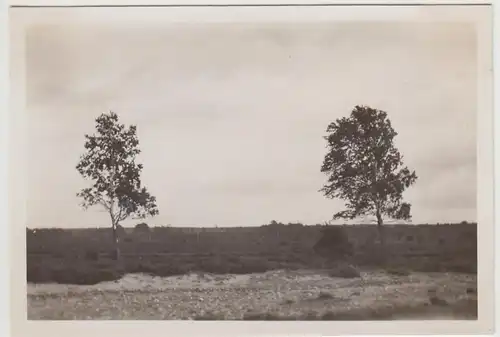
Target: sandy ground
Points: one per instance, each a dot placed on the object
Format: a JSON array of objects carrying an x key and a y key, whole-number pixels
[{"x": 282, "y": 293}]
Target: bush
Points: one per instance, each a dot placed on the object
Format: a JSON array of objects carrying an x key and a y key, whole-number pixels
[
  {"x": 325, "y": 296},
  {"x": 142, "y": 228},
  {"x": 471, "y": 290},
  {"x": 344, "y": 271},
  {"x": 334, "y": 244}
]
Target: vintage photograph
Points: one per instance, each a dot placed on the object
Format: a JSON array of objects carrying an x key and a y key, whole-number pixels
[{"x": 264, "y": 171}]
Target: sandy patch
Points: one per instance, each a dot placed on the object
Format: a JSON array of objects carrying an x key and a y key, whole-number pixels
[{"x": 139, "y": 296}]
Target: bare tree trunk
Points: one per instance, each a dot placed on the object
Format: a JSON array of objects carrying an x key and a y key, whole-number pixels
[
  {"x": 114, "y": 227},
  {"x": 381, "y": 234},
  {"x": 116, "y": 241}
]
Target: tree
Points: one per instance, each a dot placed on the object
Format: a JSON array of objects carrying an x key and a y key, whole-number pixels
[
  {"x": 365, "y": 168},
  {"x": 110, "y": 162}
]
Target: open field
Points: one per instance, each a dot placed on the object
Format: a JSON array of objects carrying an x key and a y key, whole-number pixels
[
  {"x": 82, "y": 256},
  {"x": 261, "y": 273},
  {"x": 289, "y": 295}
]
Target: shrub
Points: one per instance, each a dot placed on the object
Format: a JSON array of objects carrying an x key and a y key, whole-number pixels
[
  {"x": 334, "y": 244},
  {"x": 344, "y": 271},
  {"x": 142, "y": 228},
  {"x": 434, "y": 300},
  {"x": 471, "y": 290},
  {"x": 325, "y": 296}
]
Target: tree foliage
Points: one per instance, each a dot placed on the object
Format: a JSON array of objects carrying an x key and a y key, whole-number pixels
[
  {"x": 365, "y": 168},
  {"x": 110, "y": 163}
]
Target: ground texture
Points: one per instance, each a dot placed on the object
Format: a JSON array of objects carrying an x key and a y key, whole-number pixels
[{"x": 275, "y": 295}]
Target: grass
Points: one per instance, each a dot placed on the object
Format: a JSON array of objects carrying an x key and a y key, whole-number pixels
[
  {"x": 84, "y": 257},
  {"x": 57, "y": 269}
]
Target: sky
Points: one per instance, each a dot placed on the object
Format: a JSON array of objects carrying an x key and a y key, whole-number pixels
[{"x": 231, "y": 117}]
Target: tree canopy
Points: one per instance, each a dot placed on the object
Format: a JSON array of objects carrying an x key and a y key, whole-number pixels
[
  {"x": 110, "y": 163},
  {"x": 365, "y": 168}
]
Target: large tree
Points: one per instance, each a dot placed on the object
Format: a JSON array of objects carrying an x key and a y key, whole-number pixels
[
  {"x": 110, "y": 163},
  {"x": 365, "y": 168}
]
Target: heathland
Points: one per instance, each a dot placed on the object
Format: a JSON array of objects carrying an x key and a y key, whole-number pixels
[
  {"x": 85, "y": 256},
  {"x": 252, "y": 273}
]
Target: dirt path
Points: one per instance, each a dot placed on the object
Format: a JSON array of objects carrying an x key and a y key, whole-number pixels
[{"x": 278, "y": 294}]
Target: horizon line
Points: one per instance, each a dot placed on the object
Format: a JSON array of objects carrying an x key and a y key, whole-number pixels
[{"x": 265, "y": 225}]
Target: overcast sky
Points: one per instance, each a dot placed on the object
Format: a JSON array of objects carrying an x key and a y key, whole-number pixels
[{"x": 231, "y": 117}]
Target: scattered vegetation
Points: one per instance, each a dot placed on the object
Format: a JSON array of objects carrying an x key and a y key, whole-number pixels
[
  {"x": 435, "y": 300},
  {"x": 84, "y": 256},
  {"x": 364, "y": 169}
]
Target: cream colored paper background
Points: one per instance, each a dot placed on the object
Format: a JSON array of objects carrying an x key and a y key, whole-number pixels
[{"x": 21, "y": 18}]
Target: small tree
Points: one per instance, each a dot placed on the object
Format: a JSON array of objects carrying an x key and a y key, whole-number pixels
[
  {"x": 365, "y": 169},
  {"x": 110, "y": 163},
  {"x": 142, "y": 228}
]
